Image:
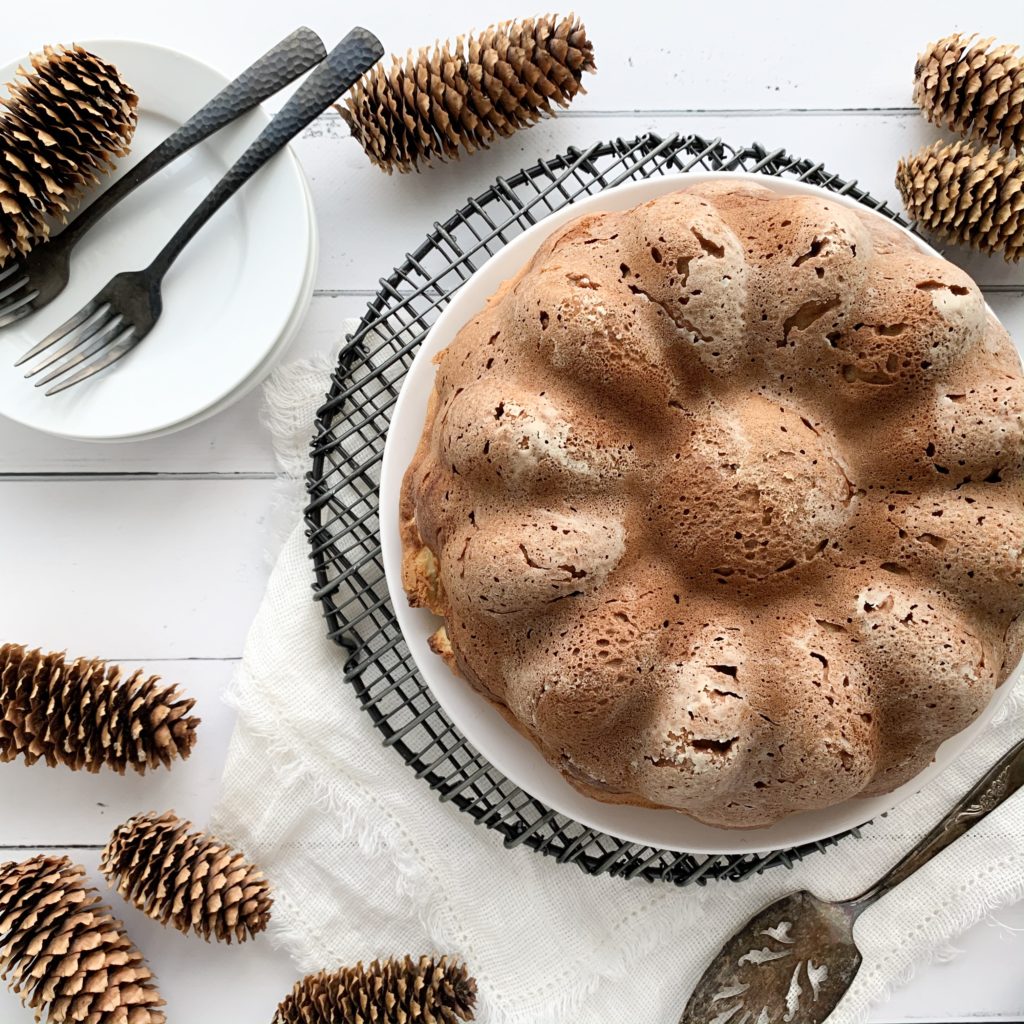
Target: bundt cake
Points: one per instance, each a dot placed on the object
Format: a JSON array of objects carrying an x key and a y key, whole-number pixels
[{"x": 720, "y": 499}]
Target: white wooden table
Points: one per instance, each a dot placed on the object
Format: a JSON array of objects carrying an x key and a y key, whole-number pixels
[{"x": 156, "y": 553}]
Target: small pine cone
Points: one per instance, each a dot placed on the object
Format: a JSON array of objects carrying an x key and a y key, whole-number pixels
[
  {"x": 966, "y": 195},
  {"x": 964, "y": 86},
  {"x": 189, "y": 879},
  {"x": 65, "y": 121},
  {"x": 64, "y": 953},
  {"x": 504, "y": 78},
  {"x": 84, "y": 715},
  {"x": 405, "y": 991}
]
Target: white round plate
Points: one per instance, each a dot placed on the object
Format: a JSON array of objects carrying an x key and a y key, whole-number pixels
[
  {"x": 272, "y": 357},
  {"x": 511, "y": 753},
  {"x": 231, "y": 298}
]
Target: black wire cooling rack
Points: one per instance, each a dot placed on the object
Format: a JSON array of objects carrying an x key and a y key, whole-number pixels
[{"x": 342, "y": 517}]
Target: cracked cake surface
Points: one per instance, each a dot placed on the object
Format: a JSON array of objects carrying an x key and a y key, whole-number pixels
[{"x": 720, "y": 499}]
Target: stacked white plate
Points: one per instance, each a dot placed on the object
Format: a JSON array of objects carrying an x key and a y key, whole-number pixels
[{"x": 232, "y": 302}]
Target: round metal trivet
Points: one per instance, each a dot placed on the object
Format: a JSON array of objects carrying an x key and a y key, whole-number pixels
[{"x": 342, "y": 517}]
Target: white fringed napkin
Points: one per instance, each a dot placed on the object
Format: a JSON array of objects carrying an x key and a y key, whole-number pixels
[{"x": 366, "y": 862}]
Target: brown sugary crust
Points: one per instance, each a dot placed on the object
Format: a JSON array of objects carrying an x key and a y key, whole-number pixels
[
  {"x": 441, "y": 646},
  {"x": 721, "y": 500}
]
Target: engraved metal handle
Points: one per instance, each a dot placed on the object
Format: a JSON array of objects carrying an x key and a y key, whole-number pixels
[
  {"x": 998, "y": 784},
  {"x": 354, "y": 55},
  {"x": 292, "y": 57}
]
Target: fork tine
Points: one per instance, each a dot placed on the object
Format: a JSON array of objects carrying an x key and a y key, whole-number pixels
[
  {"x": 94, "y": 343},
  {"x": 15, "y": 265},
  {"x": 119, "y": 347},
  {"x": 80, "y": 326},
  {"x": 17, "y": 311},
  {"x": 12, "y": 288}
]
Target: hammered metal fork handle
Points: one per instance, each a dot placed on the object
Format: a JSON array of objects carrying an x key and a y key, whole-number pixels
[
  {"x": 292, "y": 57},
  {"x": 998, "y": 784},
  {"x": 355, "y": 54}
]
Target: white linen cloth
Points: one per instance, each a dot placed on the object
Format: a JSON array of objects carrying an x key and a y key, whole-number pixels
[{"x": 365, "y": 862}]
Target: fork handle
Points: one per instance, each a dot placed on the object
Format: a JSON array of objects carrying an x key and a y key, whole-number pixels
[
  {"x": 292, "y": 57},
  {"x": 354, "y": 55}
]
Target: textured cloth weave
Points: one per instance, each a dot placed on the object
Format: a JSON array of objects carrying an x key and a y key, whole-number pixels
[{"x": 365, "y": 861}]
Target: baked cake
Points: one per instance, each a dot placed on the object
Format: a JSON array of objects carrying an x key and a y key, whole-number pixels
[{"x": 720, "y": 499}]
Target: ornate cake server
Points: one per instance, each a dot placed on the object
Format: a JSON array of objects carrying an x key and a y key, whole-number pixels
[{"x": 793, "y": 962}]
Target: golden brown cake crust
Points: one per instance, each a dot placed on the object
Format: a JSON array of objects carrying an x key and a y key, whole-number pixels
[{"x": 720, "y": 499}]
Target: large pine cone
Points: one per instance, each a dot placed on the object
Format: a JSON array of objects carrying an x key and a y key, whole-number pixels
[
  {"x": 967, "y": 195},
  {"x": 406, "y": 991},
  {"x": 82, "y": 714},
  {"x": 189, "y": 879},
  {"x": 65, "y": 121},
  {"x": 962, "y": 84},
  {"x": 504, "y": 78},
  {"x": 64, "y": 953}
]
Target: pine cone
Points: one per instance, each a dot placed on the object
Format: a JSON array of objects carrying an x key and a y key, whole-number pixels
[
  {"x": 65, "y": 120},
  {"x": 189, "y": 879},
  {"x": 64, "y": 952},
  {"x": 967, "y": 195},
  {"x": 403, "y": 991},
  {"x": 84, "y": 715},
  {"x": 975, "y": 91},
  {"x": 505, "y": 78}
]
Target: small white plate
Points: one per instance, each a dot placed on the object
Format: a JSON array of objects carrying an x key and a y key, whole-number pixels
[
  {"x": 511, "y": 753},
  {"x": 231, "y": 299},
  {"x": 270, "y": 360}
]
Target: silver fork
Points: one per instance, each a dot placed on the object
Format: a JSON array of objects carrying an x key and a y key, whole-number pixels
[
  {"x": 28, "y": 283},
  {"x": 128, "y": 307}
]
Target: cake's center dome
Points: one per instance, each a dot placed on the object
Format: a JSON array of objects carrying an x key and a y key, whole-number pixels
[{"x": 755, "y": 490}]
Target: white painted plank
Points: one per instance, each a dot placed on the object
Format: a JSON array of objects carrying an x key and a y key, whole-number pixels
[
  {"x": 205, "y": 983},
  {"x": 368, "y": 219},
  {"x": 42, "y": 806},
  {"x": 649, "y": 54},
  {"x": 123, "y": 568},
  {"x": 233, "y": 441}
]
